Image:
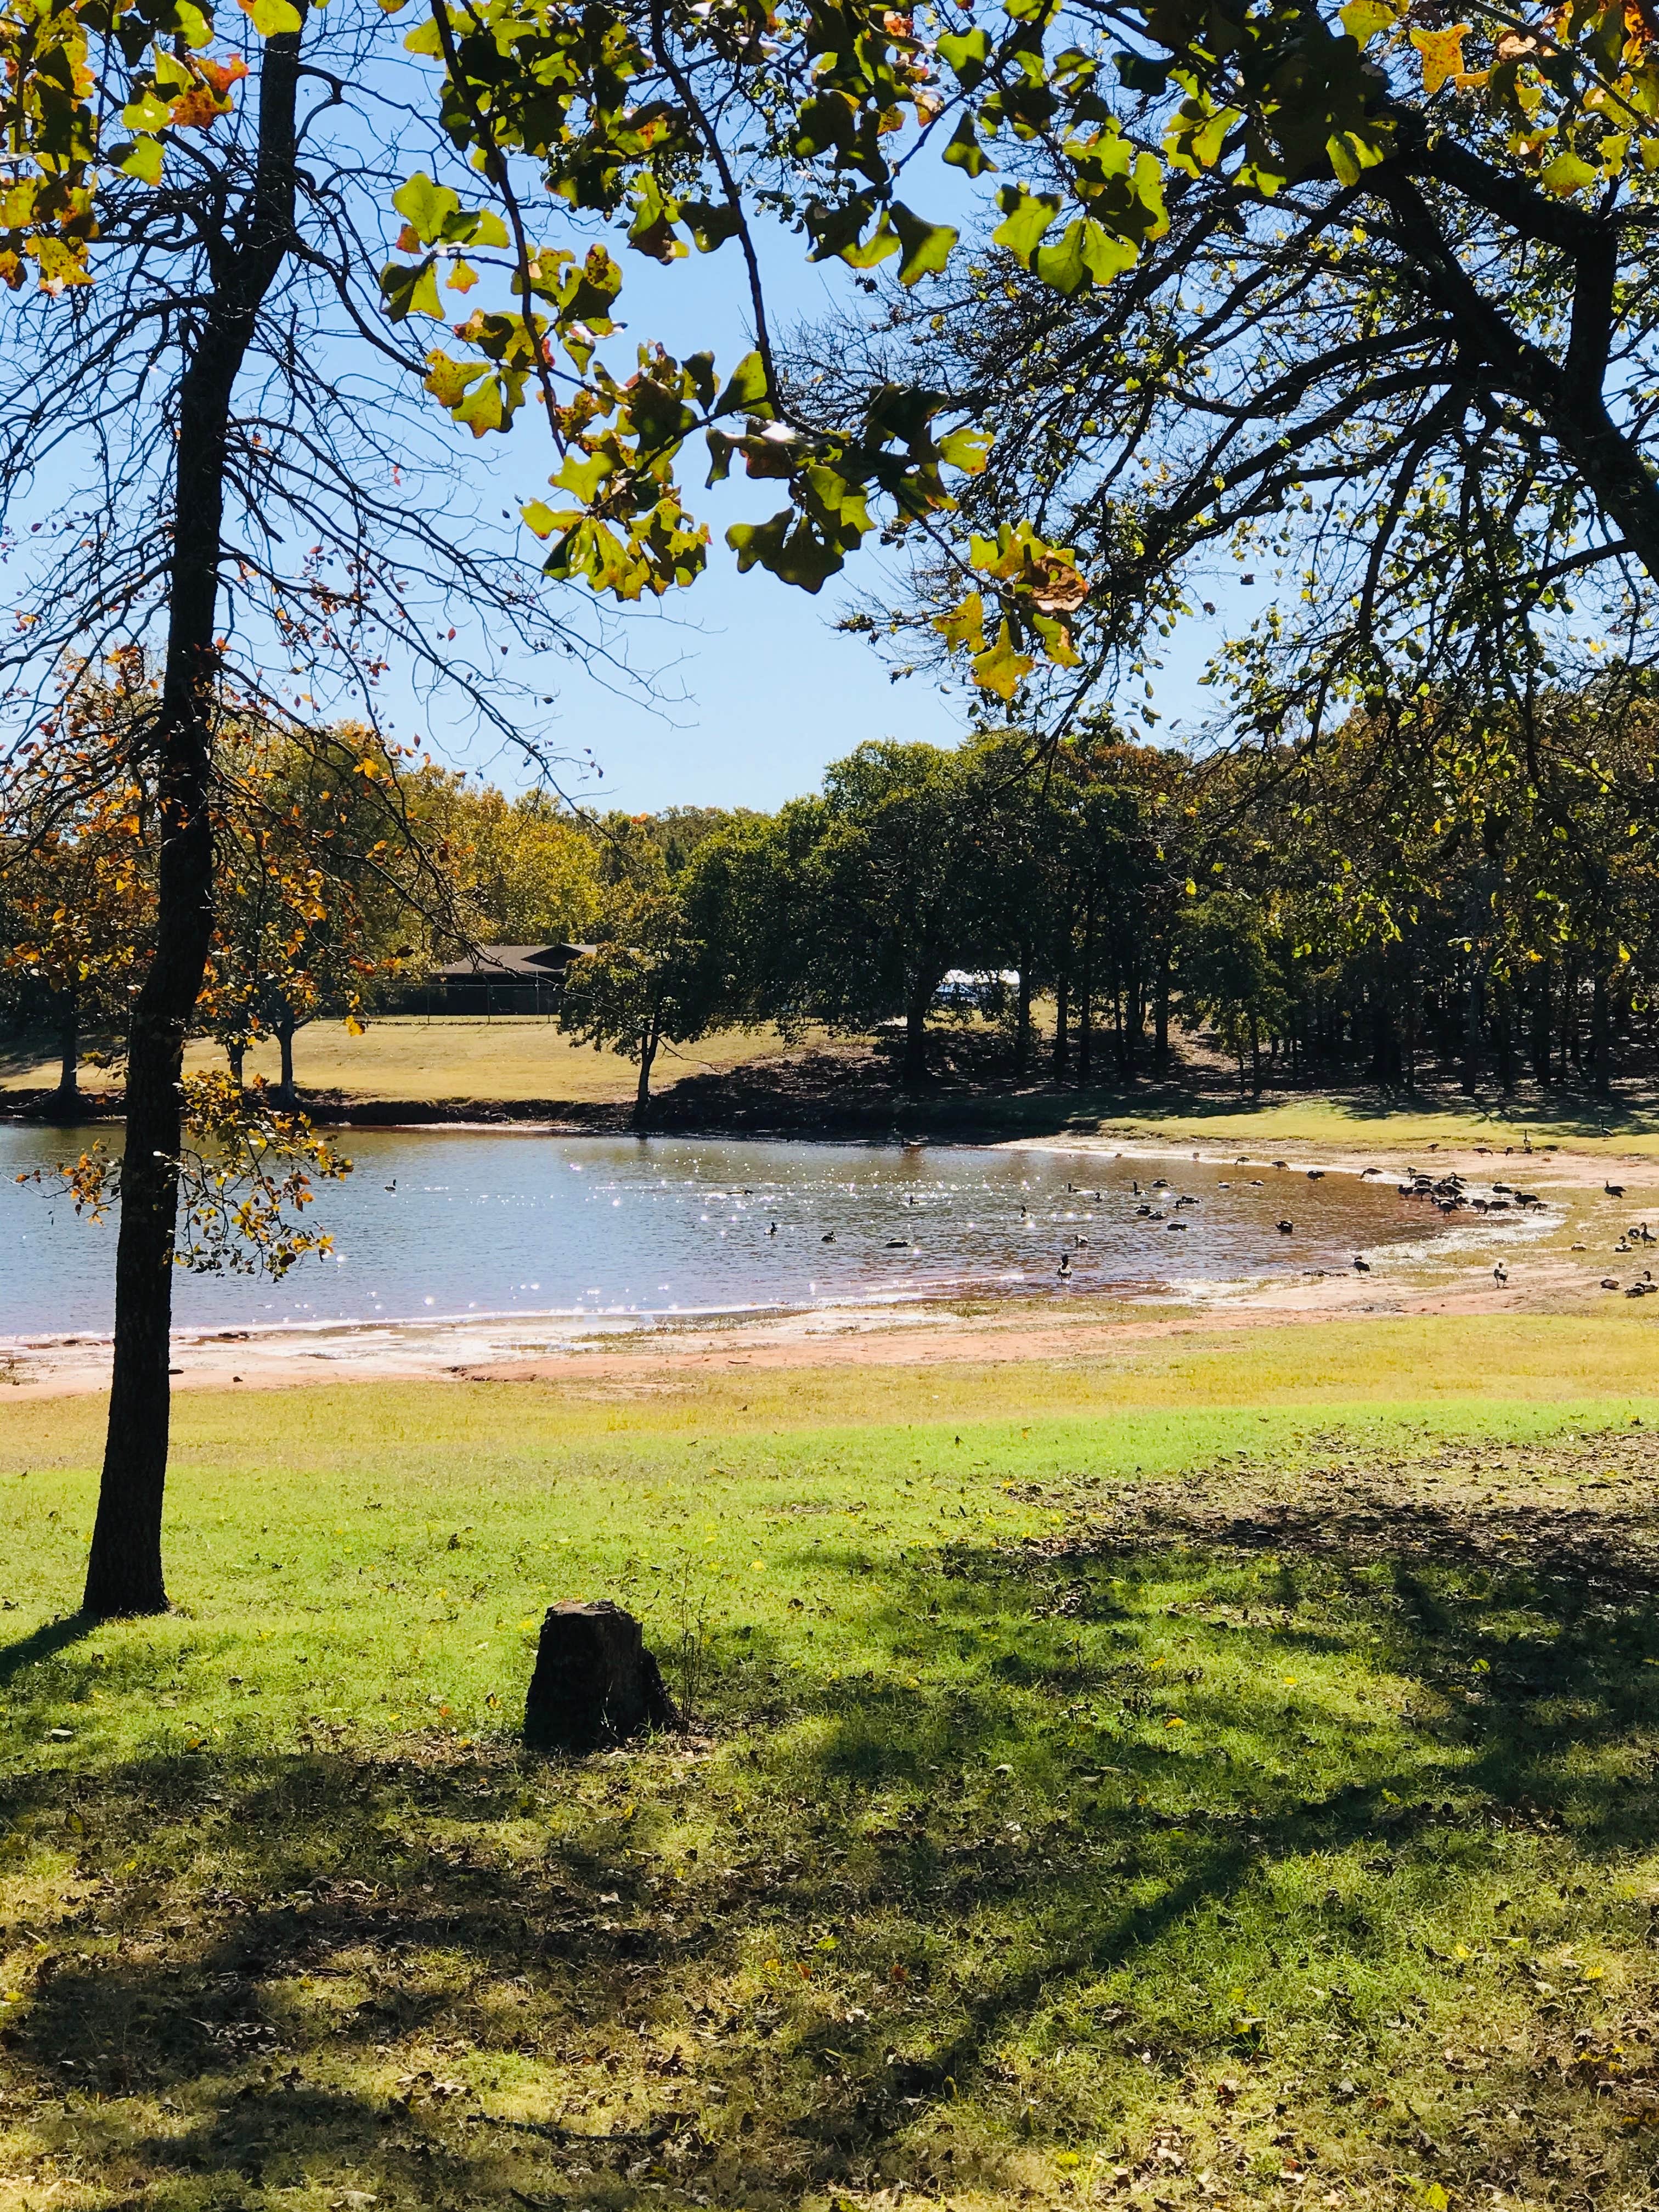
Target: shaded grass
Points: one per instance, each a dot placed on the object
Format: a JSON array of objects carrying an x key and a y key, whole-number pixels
[{"x": 1093, "y": 1806}]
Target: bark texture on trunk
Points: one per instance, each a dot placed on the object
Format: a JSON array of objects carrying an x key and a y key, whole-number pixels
[
  {"x": 68, "y": 1052},
  {"x": 123, "y": 1570},
  {"x": 286, "y": 1095},
  {"x": 642, "y": 1090}
]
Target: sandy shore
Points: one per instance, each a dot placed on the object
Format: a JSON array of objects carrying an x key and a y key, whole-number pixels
[{"x": 1553, "y": 1258}]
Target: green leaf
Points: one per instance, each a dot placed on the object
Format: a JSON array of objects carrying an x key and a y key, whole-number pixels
[
  {"x": 483, "y": 409},
  {"x": 539, "y": 516},
  {"x": 192, "y": 26},
  {"x": 1026, "y": 216},
  {"x": 745, "y": 390},
  {"x": 143, "y": 160},
  {"x": 967, "y": 55},
  {"x": 864, "y": 253},
  {"x": 1000, "y": 668},
  {"x": 583, "y": 474},
  {"x": 967, "y": 449},
  {"x": 149, "y": 112},
  {"x": 795, "y": 556},
  {"x": 425, "y": 206},
  {"x": 927, "y": 246},
  {"x": 1142, "y": 73},
  {"x": 1567, "y": 174},
  {"x": 1061, "y": 266},
  {"x": 964, "y": 150},
  {"x": 710, "y": 226},
  {"x": 411, "y": 291}
]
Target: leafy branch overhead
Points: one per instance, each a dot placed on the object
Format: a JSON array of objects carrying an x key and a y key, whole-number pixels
[{"x": 690, "y": 126}]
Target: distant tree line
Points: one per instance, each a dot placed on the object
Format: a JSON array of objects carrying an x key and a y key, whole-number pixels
[{"x": 1418, "y": 896}]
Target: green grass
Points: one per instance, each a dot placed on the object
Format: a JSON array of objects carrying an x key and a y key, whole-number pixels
[{"x": 1203, "y": 1799}]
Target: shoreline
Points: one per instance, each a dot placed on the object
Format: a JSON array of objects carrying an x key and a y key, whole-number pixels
[{"x": 1450, "y": 1268}]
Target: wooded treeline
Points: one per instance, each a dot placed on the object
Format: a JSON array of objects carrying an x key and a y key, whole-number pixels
[{"x": 1417, "y": 898}]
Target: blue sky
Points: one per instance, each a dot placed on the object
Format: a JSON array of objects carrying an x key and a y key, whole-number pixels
[{"x": 756, "y": 690}]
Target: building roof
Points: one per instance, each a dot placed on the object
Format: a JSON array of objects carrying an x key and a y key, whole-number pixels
[{"x": 514, "y": 963}]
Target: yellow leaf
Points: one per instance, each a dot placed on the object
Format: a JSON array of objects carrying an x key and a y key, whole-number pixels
[
  {"x": 271, "y": 16},
  {"x": 1000, "y": 668},
  {"x": 1441, "y": 53},
  {"x": 964, "y": 624},
  {"x": 1363, "y": 19}
]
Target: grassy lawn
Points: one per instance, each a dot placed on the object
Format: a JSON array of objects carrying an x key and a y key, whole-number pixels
[
  {"x": 1230, "y": 1780},
  {"x": 458, "y": 1057}
]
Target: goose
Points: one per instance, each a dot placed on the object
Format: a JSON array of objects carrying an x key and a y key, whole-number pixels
[
  {"x": 1282, "y": 1164},
  {"x": 1065, "y": 1265},
  {"x": 1286, "y": 1228},
  {"x": 1607, "y": 1283},
  {"x": 393, "y": 1185},
  {"x": 828, "y": 1237},
  {"x": 1500, "y": 1274},
  {"x": 1612, "y": 1189},
  {"x": 1315, "y": 1175},
  {"x": 1361, "y": 1266},
  {"x": 773, "y": 1230},
  {"x": 898, "y": 1243}
]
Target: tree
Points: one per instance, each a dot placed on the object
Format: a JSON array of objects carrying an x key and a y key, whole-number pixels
[
  {"x": 1229, "y": 974},
  {"x": 323, "y": 881},
  {"x": 1278, "y": 258},
  {"x": 79, "y": 892},
  {"x": 650, "y": 982},
  {"x": 530, "y": 872},
  {"x": 194, "y": 377}
]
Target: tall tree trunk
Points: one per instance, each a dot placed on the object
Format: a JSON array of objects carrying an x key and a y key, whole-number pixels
[
  {"x": 1062, "y": 1020},
  {"x": 1505, "y": 1040},
  {"x": 68, "y": 1099},
  {"x": 915, "y": 1042},
  {"x": 1255, "y": 1054},
  {"x": 648, "y": 1044},
  {"x": 1022, "y": 1012},
  {"x": 1471, "y": 1030},
  {"x": 123, "y": 1570},
  {"x": 286, "y": 1094},
  {"x": 1601, "y": 1038},
  {"x": 1161, "y": 1016},
  {"x": 1540, "y": 1044},
  {"x": 236, "y": 1054},
  {"x": 1086, "y": 1005}
]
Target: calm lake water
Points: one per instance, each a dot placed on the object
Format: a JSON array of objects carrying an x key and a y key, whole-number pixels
[{"x": 442, "y": 1221}]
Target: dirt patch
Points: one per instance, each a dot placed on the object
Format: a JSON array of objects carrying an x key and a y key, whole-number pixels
[{"x": 1580, "y": 1513}]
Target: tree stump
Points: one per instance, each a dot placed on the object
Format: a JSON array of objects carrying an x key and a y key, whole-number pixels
[{"x": 595, "y": 1683}]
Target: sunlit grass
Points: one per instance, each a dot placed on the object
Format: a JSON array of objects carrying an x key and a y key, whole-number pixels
[{"x": 1213, "y": 1801}]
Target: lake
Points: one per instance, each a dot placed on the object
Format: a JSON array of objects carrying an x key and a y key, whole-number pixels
[{"x": 435, "y": 1223}]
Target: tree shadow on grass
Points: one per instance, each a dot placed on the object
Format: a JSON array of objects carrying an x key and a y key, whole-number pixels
[
  {"x": 1066, "y": 1857},
  {"x": 44, "y": 1643}
]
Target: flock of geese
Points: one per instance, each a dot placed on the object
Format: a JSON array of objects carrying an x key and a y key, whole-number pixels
[
  {"x": 1447, "y": 1192},
  {"x": 1159, "y": 1193}
]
